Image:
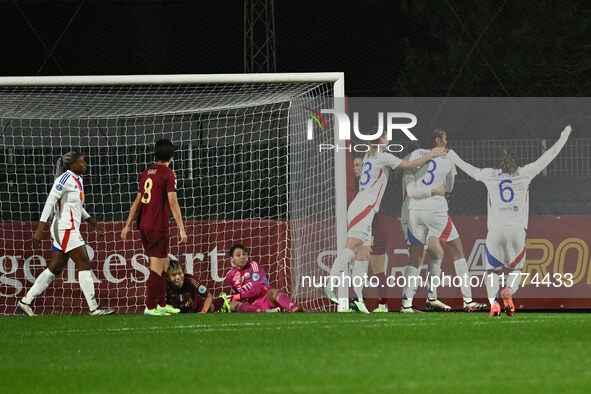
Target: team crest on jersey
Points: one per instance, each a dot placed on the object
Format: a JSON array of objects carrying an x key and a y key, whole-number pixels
[
  {"x": 256, "y": 277},
  {"x": 237, "y": 278},
  {"x": 59, "y": 188},
  {"x": 202, "y": 289}
]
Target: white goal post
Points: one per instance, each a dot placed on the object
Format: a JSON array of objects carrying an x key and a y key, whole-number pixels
[{"x": 246, "y": 174}]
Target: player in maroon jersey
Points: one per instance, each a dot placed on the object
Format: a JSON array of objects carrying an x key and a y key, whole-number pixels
[
  {"x": 155, "y": 199},
  {"x": 185, "y": 292},
  {"x": 250, "y": 287}
]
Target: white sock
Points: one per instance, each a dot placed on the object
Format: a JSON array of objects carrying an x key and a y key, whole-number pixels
[
  {"x": 514, "y": 280},
  {"x": 411, "y": 274},
  {"x": 492, "y": 286},
  {"x": 462, "y": 271},
  {"x": 39, "y": 286},
  {"x": 434, "y": 271},
  {"x": 340, "y": 264},
  {"x": 360, "y": 272},
  {"x": 87, "y": 286}
]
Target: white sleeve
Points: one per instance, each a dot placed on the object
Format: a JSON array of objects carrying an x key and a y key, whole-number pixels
[
  {"x": 450, "y": 179},
  {"x": 537, "y": 166},
  {"x": 83, "y": 214},
  {"x": 54, "y": 195},
  {"x": 412, "y": 190},
  {"x": 473, "y": 172},
  {"x": 391, "y": 161}
]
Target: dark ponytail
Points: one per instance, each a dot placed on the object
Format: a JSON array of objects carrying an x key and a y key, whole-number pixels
[{"x": 63, "y": 163}]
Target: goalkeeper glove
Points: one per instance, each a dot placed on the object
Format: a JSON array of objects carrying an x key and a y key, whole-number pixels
[{"x": 235, "y": 297}]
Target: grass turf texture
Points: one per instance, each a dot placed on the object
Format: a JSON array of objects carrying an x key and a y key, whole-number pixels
[{"x": 303, "y": 352}]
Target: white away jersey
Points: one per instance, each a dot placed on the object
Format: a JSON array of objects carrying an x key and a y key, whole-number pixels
[
  {"x": 508, "y": 202},
  {"x": 434, "y": 173},
  {"x": 373, "y": 179},
  {"x": 65, "y": 201},
  {"x": 410, "y": 190}
]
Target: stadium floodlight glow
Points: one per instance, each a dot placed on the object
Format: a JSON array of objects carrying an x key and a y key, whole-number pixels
[{"x": 246, "y": 173}]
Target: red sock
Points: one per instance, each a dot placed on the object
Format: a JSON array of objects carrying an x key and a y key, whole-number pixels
[
  {"x": 162, "y": 291},
  {"x": 152, "y": 287},
  {"x": 285, "y": 302},
  {"x": 246, "y": 308}
]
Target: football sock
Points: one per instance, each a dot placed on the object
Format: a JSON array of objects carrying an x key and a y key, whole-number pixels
[
  {"x": 358, "y": 277},
  {"x": 87, "y": 286},
  {"x": 246, "y": 308},
  {"x": 434, "y": 271},
  {"x": 41, "y": 283},
  {"x": 462, "y": 271},
  {"x": 162, "y": 290},
  {"x": 152, "y": 287},
  {"x": 340, "y": 264},
  {"x": 492, "y": 286},
  {"x": 285, "y": 302},
  {"x": 411, "y": 275}
]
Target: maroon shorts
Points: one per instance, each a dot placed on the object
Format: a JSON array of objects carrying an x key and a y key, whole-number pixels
[{"x": 155, "y": 243}]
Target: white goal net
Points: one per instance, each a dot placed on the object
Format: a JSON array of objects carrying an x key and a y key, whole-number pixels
[{"x": 246, "y": 174}]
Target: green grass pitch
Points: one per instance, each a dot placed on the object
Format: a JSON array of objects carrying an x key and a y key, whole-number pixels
[{"x": 302, "y": 352}]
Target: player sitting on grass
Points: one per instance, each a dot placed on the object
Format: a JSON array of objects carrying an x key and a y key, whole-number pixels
[
  {"x": 184, "y": 292},
  {"x": 250, "y": 288},
  {"x": 508, "y": 214}
]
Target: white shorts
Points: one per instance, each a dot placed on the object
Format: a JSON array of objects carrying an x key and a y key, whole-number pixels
[
  {"x": 505, "y": 247},
  {"x": 359, "y": 220},
  {"x": 404, "y": 226},
  {"x": 65, "y": 240},
  {"x": 425, "y": 224}
]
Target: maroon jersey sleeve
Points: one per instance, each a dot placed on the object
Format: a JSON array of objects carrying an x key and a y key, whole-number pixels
[
  {"x": 198, "y": 290},
  {"x": 171, "y": 182},
  {"x": 154, "y": 212}
]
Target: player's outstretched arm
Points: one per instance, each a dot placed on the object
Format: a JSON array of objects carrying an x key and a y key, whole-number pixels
[
  {"x": 131, "y": 216},
  {"x": 411, "y": 165},
  {"x": 537, "y": 166},
  {"x": 176, "y": 212},
  {"x": 469, "y": 169}
]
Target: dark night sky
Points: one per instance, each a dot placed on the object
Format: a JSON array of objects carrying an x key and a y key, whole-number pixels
[
  {"x": 405, "y": 48},
  {"x": 386, "y": 48}
]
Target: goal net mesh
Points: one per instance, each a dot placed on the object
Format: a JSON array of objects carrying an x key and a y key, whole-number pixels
[{"x": 246, "y": 174}]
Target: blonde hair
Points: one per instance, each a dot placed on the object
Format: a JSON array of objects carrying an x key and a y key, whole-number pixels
[
  {"x": 174, "y": 268},
  {"x": 507, "y": 162}
]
